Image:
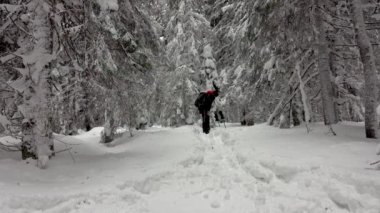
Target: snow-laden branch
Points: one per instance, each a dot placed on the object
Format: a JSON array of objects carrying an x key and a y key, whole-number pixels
[{"x": 10, "y": 147}]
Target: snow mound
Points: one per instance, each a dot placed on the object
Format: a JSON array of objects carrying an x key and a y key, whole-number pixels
[
  {"x": 150, "y": 184},
  {"x": 96, "y": 131},
  {"x": 259, "y": 172},
  {"x": 237, "y": 169},
  {"x": 346, "y": 197},
  {"x": 193, "y": 160}
]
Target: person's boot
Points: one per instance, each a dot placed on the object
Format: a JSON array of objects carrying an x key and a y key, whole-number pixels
[{"x": 206, "y": 128}]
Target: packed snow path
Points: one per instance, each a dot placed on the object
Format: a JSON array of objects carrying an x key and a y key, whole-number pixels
[{"x": 182, "y": 170}]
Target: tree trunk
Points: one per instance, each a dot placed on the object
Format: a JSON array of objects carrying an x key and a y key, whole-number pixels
[
  {"x": 286, "y": 114},
  {"x": 276, "y": 111},
  {"x": 323, "y": 64},
  {"x": 305, "y": 99},
  {"x": 285, "y": 119},
  {"x": 370, "y": 72},
  {"x": 108, "y": 134},
  {"x": 27, "y": 146},
  {"x": 37, "y": 134},
  {"x": 296, "y": 112}
]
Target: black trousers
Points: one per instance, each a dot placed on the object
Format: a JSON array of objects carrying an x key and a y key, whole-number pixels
[{"x": 205, "y": 121}]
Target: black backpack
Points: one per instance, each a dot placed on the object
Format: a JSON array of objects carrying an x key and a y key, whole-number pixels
[{"x": 201, "y": 100}]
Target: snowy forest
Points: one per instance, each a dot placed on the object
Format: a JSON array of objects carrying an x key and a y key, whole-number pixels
[{"x": 126, "y": 70}]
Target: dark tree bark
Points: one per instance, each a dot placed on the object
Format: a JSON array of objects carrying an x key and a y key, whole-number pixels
[{"x": 370, "y": 72}]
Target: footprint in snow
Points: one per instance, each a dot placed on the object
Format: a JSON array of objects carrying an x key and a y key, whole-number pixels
[
  {"x": 215, "y": 204},
  {"x": 84, "y": 202},
  {"x": 205, "y": 196},
  {"x": 227, "y": 196}
]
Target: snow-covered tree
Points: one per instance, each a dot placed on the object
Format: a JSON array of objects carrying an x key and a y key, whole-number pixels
[
  {"x": 121, "y": 49},
  {"x": 187, "y": 34},
  {"x": 259, "y": 44},
  {"x": 63, "y": 58},
  {"x": 370, "y": 71},
  {"x": 323, "y": 64},
  {"x": 29, "y": 27}
]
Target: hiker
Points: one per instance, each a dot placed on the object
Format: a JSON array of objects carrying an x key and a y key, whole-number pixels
[{"x": 204, "y": 103}]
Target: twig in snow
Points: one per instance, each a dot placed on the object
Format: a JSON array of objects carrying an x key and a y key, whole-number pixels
[
  {"x": 65, "y": 142},
  {"x": 332, "y": 130},
  {"x": 63, "y": 150},
  {"x": 374, "y": 163},
  {"x": 71, "y": 155},
  {"x": 67, "y": 149}
]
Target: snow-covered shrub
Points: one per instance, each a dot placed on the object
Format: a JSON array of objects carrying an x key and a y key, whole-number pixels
[{"x": 142, "y": 124}]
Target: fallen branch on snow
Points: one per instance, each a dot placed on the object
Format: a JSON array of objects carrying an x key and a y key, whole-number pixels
[
  {"x": 67, "y": 148},
  {"x": 374, "y": 163},
  {"x": 63, "y": 150}
]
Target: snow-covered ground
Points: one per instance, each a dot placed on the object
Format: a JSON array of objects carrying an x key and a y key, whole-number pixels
[{"x": 237, "y": 169}]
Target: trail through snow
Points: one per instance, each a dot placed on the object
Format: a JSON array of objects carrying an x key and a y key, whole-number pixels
[{"x": 206, "y": 173}]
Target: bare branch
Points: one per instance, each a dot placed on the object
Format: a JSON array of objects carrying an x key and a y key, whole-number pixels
[
  {"x": 374, "y": 163},
  {"x": 22, "y": 29},
  {"x": 63, "y": 150},
  {"x": 65, "y": 142}
]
